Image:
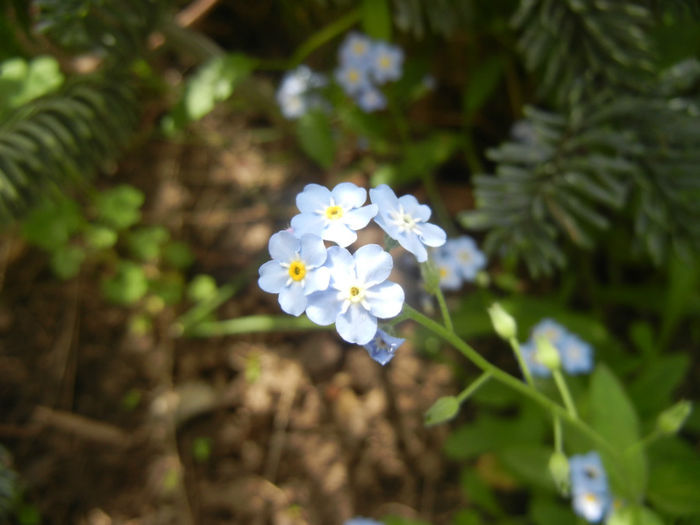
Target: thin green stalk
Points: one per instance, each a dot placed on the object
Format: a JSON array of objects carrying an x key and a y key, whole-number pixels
[
  {"x": 515, "y": 345},
  {"x": 326, "y": 34},
  {"x": 507, "y": 379},
  {"x": 253, "y": 324},
  {"x": 564, "y": 391},
  {"x": 446, "y": 319},
  {"x": 471, "y": 389},
  {"x": 558, "y": 440}
]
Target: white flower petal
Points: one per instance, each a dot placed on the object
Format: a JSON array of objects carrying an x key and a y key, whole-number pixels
[
  {"x": 356, "y": 325},
  {"x": 339, "y": 233},
  {"x": 349, "y": 195},
  {"x": 372, "y": 264},
  {"x": 359, "y": 218},
  {"x": 313, "y": 198},
  {"x": 273, "y": 277},
  {"x": 385, "y": 199},
  {"x": 307, "y": 223},
  {"x": 292, "y": 299},
  {"x": 323, "y": 307},
  {"x": 317, "y": 280},
  {"x": 341, "y": 264},
  {"x": 385, "y": 300},
  {"x": 432, "y": 235},
  {"x": 283, "y": 246},
  {"x": 313, "y": 251}
]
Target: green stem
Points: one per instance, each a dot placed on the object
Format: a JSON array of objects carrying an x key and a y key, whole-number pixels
[
  {"x": 515, "y": 345},
  {"x": 558, "y": 441},
  {"x": 507, "y": 379},
  {"x": 467, "y": 392},
  {"x": 446, "y": 319},
  {"x": 325, "y": 35},
  {"x": 564, "y": 391},
  {"x": 253, "y": 324},
  {"x": 184, "y": 324}
]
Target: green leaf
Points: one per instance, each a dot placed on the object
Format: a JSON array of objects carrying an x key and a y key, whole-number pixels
[
  {"x": 634, "y": 515},
  {"x": 674, "y": 477},
  {"x": 22, "y": 81},
  {"x": 145, "y": 243},
  {"x": 214, "y": 82},
  {"x": 169, "y": 287},
  {"x": 178, "y": 255},
  {"x": 615, "y": 419},
  {"x": 652, "y": 390},
  {"x": 545, "y": 511},
  {"x": 51, "y": 225},
  {"x": 376, "y": 19},
  {"x": 127, "y": 285},
  {"x": 529, "y": 463},
  {"x": 316, "y": 137},
  {"x": 202, "y": 288},
  {"x": 100, "y": 237},
  {"x": 66, "y": 261},
  {"x": 119, "y": 207},
  {"x": 467, "y": 517},
  {"x": 442, "y": 410},
  {"x": 481, "y": 84}
]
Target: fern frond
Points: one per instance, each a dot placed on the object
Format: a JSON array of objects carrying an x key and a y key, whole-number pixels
[
  {"x": 61, "y": 139},
  {"x": 577, "y": 45}
]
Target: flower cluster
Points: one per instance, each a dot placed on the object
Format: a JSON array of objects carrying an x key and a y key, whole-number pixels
[
  {"x": 365, "y": 64},
  {"x": 458, "y": 261},
  {"x": 297, "y": 92},
  {"x": 589, "y": 487},
  {"x": 333, "y": 285},
  {"x": 576, "y": 354}
]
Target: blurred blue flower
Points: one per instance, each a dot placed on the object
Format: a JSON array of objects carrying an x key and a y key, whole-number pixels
[
  {"x": 362, "y": 521},
  {"x": 357, "y": 49},
  {"x": 387, "y": 61},
  {"x": 549, "y": 328},
  {"x": 333, "y": 215},
  {"x": 529, "y": 351},
  {"x": 370, "y": 99},
  {"x": 353, "y": 78},
  {"x": 576, "y": 355},
  {"x": 383, "y": 347},
  {"x": 405, "y": 220},
  {"x": 296, "y": 95},
  {"x": 470, "y": 260},
  {"x": 590, "y": 494},
  {"x": 358, "y": 293},
  {"x": 295, "y": 271},
  {"x": 447, "y": 267}
]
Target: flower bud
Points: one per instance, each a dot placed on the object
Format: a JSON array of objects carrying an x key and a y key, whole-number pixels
[
  {"x": 503, "y": 322},
  {"x": 547, "y": 354},
  {"x": 431, "y": 276},
  {"x": 671, "y": 420},
  {"x": 482, "y": 279},
  {"x": 559, "y": 469}
]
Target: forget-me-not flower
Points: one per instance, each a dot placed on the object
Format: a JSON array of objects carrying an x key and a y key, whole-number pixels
[
  {"x": 589, "y": 487},
  {"x": 576, "y": 355},
  {"x": 386, "y": 62},
  {"x": 406, "y": 221},
  {"x": 529, "y": 351},
  {"x": 358, "y": 293},
  {"x": 357, "y": 49},
  {"x": 383, "y": 346},
  {"x": 334, "y": 215},
  {"x": 448, "y": 271},
  {"x": 550, "y": 329},
  {"x": 470, "y": 260},
  {"x": 354, "y": 79},
  {"x": 295, "y": 271},
  {"x": 295, "y": 95},
  {"x": 371, "y": 99}
]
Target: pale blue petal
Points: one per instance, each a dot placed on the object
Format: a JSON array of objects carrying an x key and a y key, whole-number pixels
[
  {"x": 323, "y": 307},
  {"x": 292, "y": 299},
  {"x": 356, "y": 325},
  {"x": 359, "y": 218},
  {"x": 349, "y": 195},
  {"x": 412, "y": 243},
  {"x": 416, "y": 210},
  {"x": 283, "y": 246},
  {"x": 385, "y": 300},
  {"x": 432, "y": 235},
  {"x": 313, "y": 251},
  {"x": 306, "y": 223},
  {"x": 317, "y": 280},
  {"x": 372, "y": 264},
  {"x": 341, "y": 264},
  {"x": 314, "y": 198},
  {"x": 273, "y": 277},
  {"x": 382, "y": 347},
  {"x": 384, "y": 197},
  {"x": 339, "y": 233}
]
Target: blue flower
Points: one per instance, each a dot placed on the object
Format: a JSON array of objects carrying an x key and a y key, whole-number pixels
[
  {"x": 295, "y": 271},
  {"x": 356, "y": 49},
  {"x": 447, "y": 267},
  {"x": 358, "y": 293},
  {"x": 383, "y": 347},
  {"x": 386, "y": 62},
  {"x": 370, "y": 99},
  {"x": 470, "y": 260},
  {"x": 405, "y": 220},
  {"x": 576, "y": 355},
  {"x": 362, "y": 521},
  {"x": 295, "y": 95},
  {"x": 353, "y": 78},
  {"x": 529, "y": 351},
  {"x": 550, "y": 329},
  {"x": 590, "y": 494},
  {"x": 333, "y": 215}
]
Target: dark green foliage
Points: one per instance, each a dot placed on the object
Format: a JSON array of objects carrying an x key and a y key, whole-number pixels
[
  {"x": 57, "y": 139},
  {"x": 118, "y": 29}
]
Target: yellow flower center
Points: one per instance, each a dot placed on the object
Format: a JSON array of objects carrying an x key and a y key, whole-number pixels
[
  {"x": 334, "y": 212},
  {"x": 443, "y": 272},
  {"x": 353, "y": 76},
  {"x": 384, "y": 62},
  {"x": 358, "y": 48},
  {"x": 354, "y": 291},
  {"x": 297, "y": 270}
]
